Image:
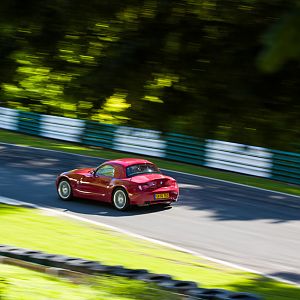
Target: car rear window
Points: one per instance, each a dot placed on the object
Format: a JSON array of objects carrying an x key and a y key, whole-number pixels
[{"x": 141, "y": 169}]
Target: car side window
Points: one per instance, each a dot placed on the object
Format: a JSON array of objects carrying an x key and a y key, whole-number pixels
[{"x": 106, "y": 170}]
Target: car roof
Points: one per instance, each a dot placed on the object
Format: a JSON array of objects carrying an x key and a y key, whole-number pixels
[{"x": 126, "y": 162}]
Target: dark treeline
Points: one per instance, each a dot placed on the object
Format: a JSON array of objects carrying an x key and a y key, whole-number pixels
[{"x": 222, "y": 69}]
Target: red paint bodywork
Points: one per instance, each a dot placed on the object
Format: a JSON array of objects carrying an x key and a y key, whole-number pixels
[{"x": 87, "y": 185}]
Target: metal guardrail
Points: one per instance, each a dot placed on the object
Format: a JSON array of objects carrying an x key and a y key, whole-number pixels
[
  {"x": 246, "y": 159},
  {"x": 185, "y": 149},
  {"x": 61, "y": 128},
  {"x": 97, "y": 134},
  {"x": 240, "y": 158},
  {"x": 286, "y": 166},
  {"x": 29, "y": 123},
  {"x": 9, "y": 118},
  {"x": 139, "y": 141}
]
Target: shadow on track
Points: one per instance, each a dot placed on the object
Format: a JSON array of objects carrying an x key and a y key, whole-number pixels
[{"x": 86, "y": 206}]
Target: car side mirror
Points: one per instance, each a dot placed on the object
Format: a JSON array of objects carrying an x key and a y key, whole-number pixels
[{"x": 92, "y": 172}]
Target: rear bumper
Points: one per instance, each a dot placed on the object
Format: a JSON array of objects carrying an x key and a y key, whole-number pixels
[{"x": 148, "y": 198}]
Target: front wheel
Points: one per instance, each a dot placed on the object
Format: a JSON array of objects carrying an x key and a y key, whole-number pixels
[
  {"x": 64, "y": 190},
  {"x": 120, "y": 199}
]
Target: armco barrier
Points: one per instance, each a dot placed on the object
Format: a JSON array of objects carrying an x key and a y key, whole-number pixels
[
  {"x": 140, "y": 141},
  {"x": 61, "y": 128},
  {"x": 9, "y": 118},
  {"x": 286, "y": 166},
  {"x": 184, "y": 148},
  {"x": 29, "y": 123},
  {"x": 246, "y": 159},
  {"x": 165, "y": 281},
  {"x": 238, "y": 158},
  {"x": 99, "y": 135}
]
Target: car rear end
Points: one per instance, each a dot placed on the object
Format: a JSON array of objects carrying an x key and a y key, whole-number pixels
[{"x": 162, "y": 190}]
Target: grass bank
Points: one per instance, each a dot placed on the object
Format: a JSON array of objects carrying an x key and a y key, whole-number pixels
[
  {"x": 27, "y": 140},
  {"x": 33, "y": 229},
  {"x": 21, "y": 283}
]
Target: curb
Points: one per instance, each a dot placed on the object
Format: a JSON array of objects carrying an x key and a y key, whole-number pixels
[{"x": 77, "y": 268}]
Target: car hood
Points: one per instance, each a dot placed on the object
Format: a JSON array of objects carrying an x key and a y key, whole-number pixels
[{"x": 148, "y": 177}]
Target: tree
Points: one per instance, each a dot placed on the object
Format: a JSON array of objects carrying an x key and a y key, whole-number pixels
[{"x": 186, "y": 66}]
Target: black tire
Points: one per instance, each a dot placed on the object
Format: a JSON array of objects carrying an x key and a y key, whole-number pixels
[
  {"x": 64, "y": 190},
  {"x": 120, "y": 199}
]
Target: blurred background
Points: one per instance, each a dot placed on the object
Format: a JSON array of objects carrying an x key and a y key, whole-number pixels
[{"x": 219, "y": 69}]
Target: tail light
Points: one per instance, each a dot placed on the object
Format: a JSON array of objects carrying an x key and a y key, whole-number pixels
[
  {"x": 157, "y": 184},
  {"x": 143, "y": 187},
  {"x": 148, "y": 185},
  {"x": 171, "y": 182}
]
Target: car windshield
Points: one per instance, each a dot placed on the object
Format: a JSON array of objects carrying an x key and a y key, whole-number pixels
[{"x": 141, "y": 169}]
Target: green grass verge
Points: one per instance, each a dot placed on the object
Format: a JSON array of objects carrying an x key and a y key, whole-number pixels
[
  {"x": 30, "y": 228},
  {"x": 21, "y": 283},
  {"x": 27, "y": 140}
]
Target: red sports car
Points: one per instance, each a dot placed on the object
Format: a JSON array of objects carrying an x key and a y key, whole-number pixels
[{"x": 123, "y": 182}]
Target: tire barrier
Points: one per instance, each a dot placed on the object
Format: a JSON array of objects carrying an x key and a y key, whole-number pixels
[
  {"x": 130, "y": 273},
  {"x": 41, "y": 258},
  {"x": 60, "y": 261},
  {"x": 178, "y": 285},
  {"x": 99, "y": 269},
  {"x": 239, "y": 296},
  {"x": 189, "y": 288},
  {"x": 6, "y": 250},
  {"x": 154, "y": 278},
  {"x": 211, "y": 294},
  {"x": 219, "y": 294},
  {"x": 81, "y": 265},
  {"x": 115, "y": 270},
  {"x": 21, "y": 253}
]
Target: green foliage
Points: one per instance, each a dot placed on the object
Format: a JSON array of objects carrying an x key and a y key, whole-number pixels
[
  {"x": 282, "y": 42},
  {"x": 187, "y": 66}
]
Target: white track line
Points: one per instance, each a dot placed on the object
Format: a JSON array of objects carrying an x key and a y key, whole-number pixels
[
  {"x": 178, "y": 172},
  {"x": 14, "y": 202}
]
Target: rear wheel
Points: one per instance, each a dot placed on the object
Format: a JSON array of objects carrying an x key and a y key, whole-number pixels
[
  {"x": 64, "y": 190},
  {"x": 120, "y": 199}
]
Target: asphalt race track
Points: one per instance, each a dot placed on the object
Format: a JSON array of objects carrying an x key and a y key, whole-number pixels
[{"x": 253, "y": 228}]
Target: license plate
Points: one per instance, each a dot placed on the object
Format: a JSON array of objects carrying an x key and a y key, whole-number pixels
[{"x": 162, "y": 196}]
